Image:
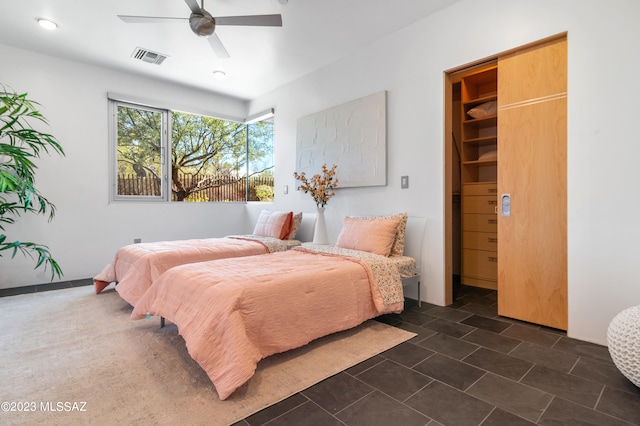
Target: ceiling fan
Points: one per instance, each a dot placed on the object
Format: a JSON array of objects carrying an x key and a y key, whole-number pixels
[{"x": 204, "y": 25}]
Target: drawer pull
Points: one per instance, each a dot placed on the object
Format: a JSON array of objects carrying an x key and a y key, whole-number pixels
[
  {"x": 492, "y": 221},
  {"x": 492, "y": 240},
  {"x": 492, "y": 190},
  {"x": 492, "y": 259},
  {"x": 492, "y": 202}
]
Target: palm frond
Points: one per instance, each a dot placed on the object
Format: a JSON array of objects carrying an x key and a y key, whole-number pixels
[{"x": 20, "y": 146}]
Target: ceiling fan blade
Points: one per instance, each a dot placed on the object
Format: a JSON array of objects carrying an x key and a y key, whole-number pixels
[
  {"x": 250, "y": 20},
  {"x": 217, "y": 46},
  {"x": 148, "y": 19},
  {"x": 194, "y": 6}
]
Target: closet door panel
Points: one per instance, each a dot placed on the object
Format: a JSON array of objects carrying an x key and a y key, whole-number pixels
[
  {"x": 532, "y": 157},
  {"x": 532, "y": 248},
  {"x": 532, "y": 74}
]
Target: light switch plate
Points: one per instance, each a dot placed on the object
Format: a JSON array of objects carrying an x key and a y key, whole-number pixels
[{"x": 404, "y": 182}]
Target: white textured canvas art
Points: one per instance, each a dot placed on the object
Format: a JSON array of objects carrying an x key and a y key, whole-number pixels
[{"x": 352, "y": 135}]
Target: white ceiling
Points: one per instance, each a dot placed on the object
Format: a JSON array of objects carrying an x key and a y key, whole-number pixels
[{"x": 314, "y": 34}]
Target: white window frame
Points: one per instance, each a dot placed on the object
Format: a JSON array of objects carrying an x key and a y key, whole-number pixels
[
  {"x": 165, "y": 147},
  {"x": 114, "y": 100}
]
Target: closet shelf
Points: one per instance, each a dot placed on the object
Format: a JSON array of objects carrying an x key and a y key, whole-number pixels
[
  {"x": 481, "y": 163},
  {"x": 487, "y": 140}
]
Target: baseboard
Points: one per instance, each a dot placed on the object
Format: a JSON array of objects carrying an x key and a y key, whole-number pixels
[{"x": 14, "y": 291}]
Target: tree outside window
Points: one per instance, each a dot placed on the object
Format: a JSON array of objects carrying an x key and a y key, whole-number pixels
[
  {"x": 211, "y": 160},
  {"x": 139, "y": 166}
]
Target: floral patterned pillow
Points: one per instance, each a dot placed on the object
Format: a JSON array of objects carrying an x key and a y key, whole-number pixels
[{"x": 295, "y": 226}]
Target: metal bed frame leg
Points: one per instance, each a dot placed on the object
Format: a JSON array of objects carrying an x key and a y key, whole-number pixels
[{"x": 416, "y": 279}]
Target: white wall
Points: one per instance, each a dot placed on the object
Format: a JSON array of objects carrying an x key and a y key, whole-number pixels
[
  {"x": 87, "y": 229},
  {"x": 602, "y": 146}
]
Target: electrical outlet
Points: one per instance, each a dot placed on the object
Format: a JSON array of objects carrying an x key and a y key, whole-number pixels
[
  {"x": 404, "y": 182},
  {"x": 137, "y": 240}
]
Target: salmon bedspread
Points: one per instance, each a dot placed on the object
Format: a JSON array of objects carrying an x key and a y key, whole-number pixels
[
  {"x": 137, "y": 266},
  {"x": 234, "y": 312}
]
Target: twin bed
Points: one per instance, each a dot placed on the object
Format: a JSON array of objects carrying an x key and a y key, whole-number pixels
[
  {"x": 232, "y": 312},
  {"x": 136, "y": 266}
]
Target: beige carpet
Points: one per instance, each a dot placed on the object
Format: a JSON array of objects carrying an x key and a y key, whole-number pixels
[{"x": 76, "y": 358}]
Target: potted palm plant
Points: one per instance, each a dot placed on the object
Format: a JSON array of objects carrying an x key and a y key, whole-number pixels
[{"x": 20, "y": 145}]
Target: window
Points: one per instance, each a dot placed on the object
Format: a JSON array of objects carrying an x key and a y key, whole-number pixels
[
  {"x": 165, "y": 155},
  {"x": 260, "y": 161},
  {"x": 141, "y": 139}
]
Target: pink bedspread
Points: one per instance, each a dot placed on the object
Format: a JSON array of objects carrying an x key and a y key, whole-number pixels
[
  {"x": 137, "y": 266},
  {"x": 234, "y": 312}
]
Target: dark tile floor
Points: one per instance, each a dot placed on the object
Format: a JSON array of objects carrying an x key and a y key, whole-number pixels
[{"x": 468, "y": 366}]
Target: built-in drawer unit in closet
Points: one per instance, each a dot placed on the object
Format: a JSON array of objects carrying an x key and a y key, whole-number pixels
[
  {"x": 479, "y": 177},
  {"x": 479, "y": 235}
]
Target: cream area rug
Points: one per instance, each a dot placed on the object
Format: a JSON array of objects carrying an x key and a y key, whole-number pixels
[{"x": 73, "y": 357}]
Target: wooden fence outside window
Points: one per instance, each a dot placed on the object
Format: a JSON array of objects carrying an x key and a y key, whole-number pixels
[{"x": 226, "y": 189}]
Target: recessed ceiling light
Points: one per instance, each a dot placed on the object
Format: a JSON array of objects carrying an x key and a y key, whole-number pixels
[
  {"x": 47, "y": 24},
  {"x": 219, "y": 74}
]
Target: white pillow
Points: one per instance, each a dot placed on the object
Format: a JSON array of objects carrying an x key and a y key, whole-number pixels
[
  {"x": 489, "y": 155},
  {"x": 484, "y": 110}
]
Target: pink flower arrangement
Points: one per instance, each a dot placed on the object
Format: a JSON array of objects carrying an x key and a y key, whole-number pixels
[{"x": 320, "y": 186}]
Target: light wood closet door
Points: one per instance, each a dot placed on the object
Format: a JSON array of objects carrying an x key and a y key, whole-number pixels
[{"x": 532, "y": 168}]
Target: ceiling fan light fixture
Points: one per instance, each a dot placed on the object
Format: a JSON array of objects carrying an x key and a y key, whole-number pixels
[
  {"x": 219, "y": 74},
  {"x": 47, "y": 24},
  {"x": 202, "y": 25}
]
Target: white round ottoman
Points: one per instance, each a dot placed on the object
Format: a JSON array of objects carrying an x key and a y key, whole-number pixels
[{"x": 623, "y": 338}]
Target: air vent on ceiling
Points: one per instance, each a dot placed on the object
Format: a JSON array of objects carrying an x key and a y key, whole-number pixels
[{"x": 146, "y": 55}]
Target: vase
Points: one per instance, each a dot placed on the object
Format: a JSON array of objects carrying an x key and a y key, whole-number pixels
[{"x": 320, "y": 232}]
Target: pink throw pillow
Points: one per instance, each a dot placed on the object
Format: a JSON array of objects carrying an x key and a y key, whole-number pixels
[
  {"x": 273, "y": 224},
  {"x": 370, "y": 235}
]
